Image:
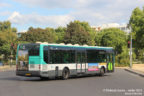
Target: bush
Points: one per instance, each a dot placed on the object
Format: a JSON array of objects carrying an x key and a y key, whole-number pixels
[
  {"x": 123, "y": 58},
  {"x": 141, "y": 55}
]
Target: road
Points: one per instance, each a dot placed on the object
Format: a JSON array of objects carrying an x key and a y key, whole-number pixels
[{"x": 119, "y": 83}]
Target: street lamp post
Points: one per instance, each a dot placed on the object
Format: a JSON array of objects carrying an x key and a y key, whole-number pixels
[
  {"x": 129, "y": 30},
  {"x": 130, "y": 48},
  {"x": 11, "y": 59}
]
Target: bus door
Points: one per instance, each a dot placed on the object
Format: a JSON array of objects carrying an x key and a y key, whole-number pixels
[
  {"x": 110, "y": 63},
  {"x": 81, "y": 61}
]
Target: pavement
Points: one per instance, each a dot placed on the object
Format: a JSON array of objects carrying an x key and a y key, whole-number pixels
[
  {"x": 135, "y": 72},
  {"x": 7, "y": 68},
  {"x": 119, "y": 83},
  {"x": 137, "y": 69}
]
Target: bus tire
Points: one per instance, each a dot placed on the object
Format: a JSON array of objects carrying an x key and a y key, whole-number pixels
[
  {"x": 65, "y": 74},
  {"x": 102, "y": 71},
  {"x": 44, "y": 78}
]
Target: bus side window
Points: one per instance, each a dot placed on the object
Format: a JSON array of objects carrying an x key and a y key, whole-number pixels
[
  {"x": 72, "y": 60},
  {"x": 108, "y": 59},
  {"x": 83, "y": 57},
  {"x": 78, "y": 57},
  {"x": 111, "y": 58},
  {"x": 45, "y": 54},
  {"x": 55, "y": 56},
  {"x": 66, "y": 57},
  {"x": 52, "y": 53},
  {"x": 62, "y": 56}
]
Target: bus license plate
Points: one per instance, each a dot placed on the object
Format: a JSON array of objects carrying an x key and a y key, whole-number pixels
[{"x": 28, "y": 74}]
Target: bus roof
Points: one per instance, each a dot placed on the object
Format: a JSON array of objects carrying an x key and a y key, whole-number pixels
[{"x": 78, "y": 46}]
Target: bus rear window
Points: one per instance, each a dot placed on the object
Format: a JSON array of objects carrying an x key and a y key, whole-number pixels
[{"x": 33, "y": 49}]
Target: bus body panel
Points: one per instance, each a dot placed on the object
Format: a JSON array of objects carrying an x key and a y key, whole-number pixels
[
  {"x": 56, "y": 70},
  {"x": 34, "y": 63},
  {"x": 37, "y": 67}
]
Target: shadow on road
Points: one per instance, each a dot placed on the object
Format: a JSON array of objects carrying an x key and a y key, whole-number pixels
[{"x": 37, "y": 79}]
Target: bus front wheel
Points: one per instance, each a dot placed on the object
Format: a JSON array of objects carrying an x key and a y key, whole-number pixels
[
  {"x": 101, "y": 72},
  {"x": 65, "y": 74}
]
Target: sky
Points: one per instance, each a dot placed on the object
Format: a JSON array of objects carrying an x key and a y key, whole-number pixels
[{"x": 54, "y": 13}]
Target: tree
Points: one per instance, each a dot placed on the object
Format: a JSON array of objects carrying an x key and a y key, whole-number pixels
[
  {"x": 38, "y": 34},
  {"x": 112, "y": 37},
  {"x": 14, "y": 30},
  {"x": 92, "y": 32},
  {"x": 78, "y": 33},
  {"x": 5, "y": 26},
  {"x": 7, "y": 36},
  {"x": 137, "y": 24},
  {"x": 116, "y": 38},
  {"x": 60, "y": 32}
]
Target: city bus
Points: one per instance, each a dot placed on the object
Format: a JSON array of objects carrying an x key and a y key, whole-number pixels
[{"x": 47, "y": 60}]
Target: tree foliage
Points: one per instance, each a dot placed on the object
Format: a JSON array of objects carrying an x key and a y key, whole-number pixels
[
  {"x": 137, "y": 24},
  {"x": 78, "y": 33},
  {"x": 38, "y": 34},
  {"x": 5, "y": 26},
  {"x": 111, "y": 37},
  {"x": 60, "y": 32},
  {"x": 7, "y": 37}
]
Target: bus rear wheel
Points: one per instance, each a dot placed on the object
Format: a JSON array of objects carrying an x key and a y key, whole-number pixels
[
  {"x": 44, "y": 78},
  {"x": 65, "y": 74}
]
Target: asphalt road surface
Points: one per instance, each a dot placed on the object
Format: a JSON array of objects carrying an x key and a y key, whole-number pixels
[{"x": 119, "y": 83}]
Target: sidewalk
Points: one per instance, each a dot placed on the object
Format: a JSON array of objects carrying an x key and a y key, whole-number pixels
[
  {"x": 7, "y": 68},
  {"x": 137, "y": 69}
]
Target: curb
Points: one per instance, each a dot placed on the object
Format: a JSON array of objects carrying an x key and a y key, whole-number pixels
[
  {"x": 7, "y": 70},
  {"x": 135, "y": 72}
]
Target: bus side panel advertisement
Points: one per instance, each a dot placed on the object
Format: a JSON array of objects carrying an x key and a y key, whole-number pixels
[{"x": 93, "y": 66}]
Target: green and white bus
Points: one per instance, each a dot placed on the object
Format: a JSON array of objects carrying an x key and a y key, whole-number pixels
[{"x": 60, "y": 60}]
